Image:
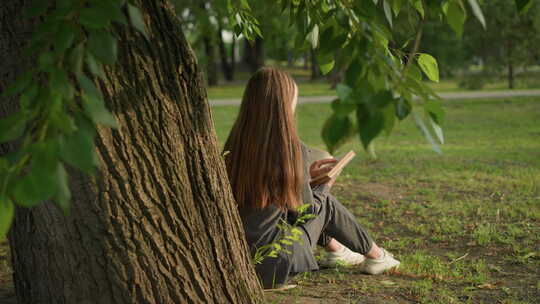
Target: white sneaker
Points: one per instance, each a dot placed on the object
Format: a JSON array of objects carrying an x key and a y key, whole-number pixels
[
  {"x": 282, "y": 287},
  {"x": 345, "y": 257},
  {"x": 380, "y": 265}
]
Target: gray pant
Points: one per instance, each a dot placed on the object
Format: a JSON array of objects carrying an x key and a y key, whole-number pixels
[{"x": 333, "y": 220}]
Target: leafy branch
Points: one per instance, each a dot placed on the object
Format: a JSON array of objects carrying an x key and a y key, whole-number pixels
[
  {"x": 289, "y": 235},
  {"x": 60, "y": 105}
]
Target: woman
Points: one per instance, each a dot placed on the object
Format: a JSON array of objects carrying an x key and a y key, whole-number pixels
[{"x": 269, "y": 181}]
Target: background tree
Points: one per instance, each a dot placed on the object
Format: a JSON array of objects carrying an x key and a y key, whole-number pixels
[
  {"x": 207, "y": 23},
  {"x": 510, "y": 43},
  {"x": 208, "y": 36},
  {"x": 227, "y": 54}
]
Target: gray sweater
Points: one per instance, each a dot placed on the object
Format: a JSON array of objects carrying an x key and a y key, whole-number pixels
[{"x": 261, "y": 227}]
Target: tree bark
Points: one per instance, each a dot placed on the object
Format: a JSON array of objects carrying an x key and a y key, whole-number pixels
[
  {"x": 226, "y": 66},
  {"x": 158, "y": 223}
]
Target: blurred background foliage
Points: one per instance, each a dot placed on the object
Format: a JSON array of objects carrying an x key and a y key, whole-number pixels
[{"x": 505, "y": 54}]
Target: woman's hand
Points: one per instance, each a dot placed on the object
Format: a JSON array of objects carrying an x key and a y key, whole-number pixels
[{"x": 322, "y": 167}]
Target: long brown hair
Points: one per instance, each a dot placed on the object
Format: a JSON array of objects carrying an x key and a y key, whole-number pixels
[{"x": 263, "y": 154}]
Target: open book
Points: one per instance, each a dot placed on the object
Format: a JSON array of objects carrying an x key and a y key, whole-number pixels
[{"x": 336, "y": 170}]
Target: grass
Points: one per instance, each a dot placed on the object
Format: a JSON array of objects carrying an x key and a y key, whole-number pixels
[
  {"x": 317, "y": 88},
  {"x": 465, "y": 224},
  {"x": 322, "y": 88}
]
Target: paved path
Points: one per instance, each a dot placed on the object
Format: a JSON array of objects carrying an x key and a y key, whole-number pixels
[{"x": 447, "y": 96}]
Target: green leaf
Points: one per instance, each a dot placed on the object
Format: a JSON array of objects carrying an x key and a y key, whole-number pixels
[
  {"x": 353, "y": 73},
  {"x": 437, "y": 129},
  {"x": 396, "y": 6},
  {"x": 428, "y": 64},
  {"x": 326, "y": 62},
  {"x": 389, "y": 118},
  {"x": 62, "y": 121},
  {"x": 402, "y": 108},
  {"x": 342, "y": 18},
  {"x": 382, "y": 99},
  {"x": 523, "y": 5},
  {"x": 376, "y": 80},
  {"x": 44, "y": 34},
  {"x": 76, "y": 57},
  {"x": 477, "y": 11},
  {"x": 370, "y": 124},
  {"x": 7, "y": 212},
  {"x": 37, "y": 8},
  {"x": 46, "y": 61},
  {"x": 88, "y": 87},
  {"x": 456, "y": 17},
  {"x": 435, "y": 110},
  {"x": 103, "y": 46},
  {"x": 342, "y": 109},
  {"x": 419, "y": 7},
  {"x": 414, "y": 72},
  {"x": 343, "y": 91},
  {"x": 94, "y": 66},
  {"x": 95, "y": 107},
  {"x": 94, "y": 18},
  {"x": 29, "y": 96},
  {"x": 37, "y": 185},
  {"x": 313, "y": 36},
  {"x": 388, "y": 12},
  {"x": 12, "y": 126},
  {"x": 63, "y": 195},
  {"x": 59, "y": 83},
  {"x": 421, "y": 125},
  {"x": 78, "y": 149},
  {"x": 113, "y": 9},
  {"x": 22, "y": 82},
  {"x": 137, "y": 19},
  {"x": 65, "y": 5},
  {"x": 337, "y": 130},
  {"x": 64, "y": 38}
]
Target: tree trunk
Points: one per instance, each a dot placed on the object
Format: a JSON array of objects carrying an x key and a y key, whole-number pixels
[
  {"x": 510, "y": 75},
  {"x": 211, "y": 66},
  {"x": 158, "y": 223},
  {"x": 226, "y": 66},
  {"x": 510, "y": 63},
  {"x": 233, "y": 55},
  {"x": 254, "y": 54},
  {"x": 290, "y": 59},
  {"x": 315, "y": 71}
]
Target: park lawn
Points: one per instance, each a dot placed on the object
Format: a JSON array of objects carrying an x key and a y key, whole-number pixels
[
  {"x": 322, "y": 88},
  {"x": 465, "y": 224},
  {"x": 236, "y": 90}
]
